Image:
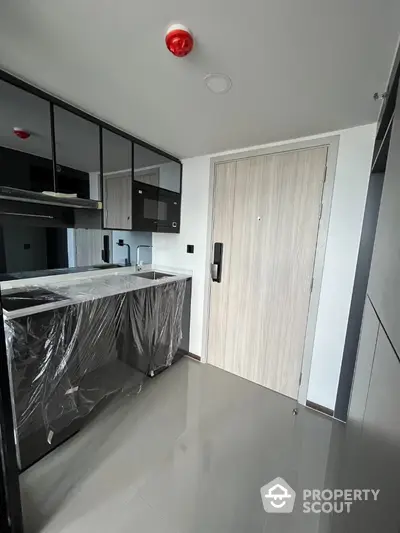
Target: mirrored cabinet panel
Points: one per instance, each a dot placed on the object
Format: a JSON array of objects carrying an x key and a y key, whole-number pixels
[
  {"x": 77, "y": 154},
  {"x": 117, "y": 181},
  {"x": 25, "y": 140}
]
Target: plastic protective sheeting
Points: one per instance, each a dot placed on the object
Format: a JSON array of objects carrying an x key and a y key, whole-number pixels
[{"x": 66, "y": 361}]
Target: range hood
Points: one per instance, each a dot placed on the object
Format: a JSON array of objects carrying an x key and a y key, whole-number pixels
[{"x": 21, "y": 195}]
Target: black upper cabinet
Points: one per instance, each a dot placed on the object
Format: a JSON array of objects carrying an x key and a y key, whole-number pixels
[
  {"x": 156, "y": 191},
  {"x": 77, "y": 153},
  {"x": 25, "y": 163},
  {"x": 67, "y": 151},
  {"x": 117, "y": 181},
  {"x": 154, "y": 169}
]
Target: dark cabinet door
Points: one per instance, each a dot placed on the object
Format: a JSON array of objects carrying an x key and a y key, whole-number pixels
[
  {"x": 145, "y": 212},
  {"x": 154, "y": 169},
  {"x": 170, "y": 204},
  {"x": 41, "y": 374},
  {"x": 156, "y": 192},
  {"x": 26, "y": 161},
  {"x": 117, "y": 182},
  {"x": 77, "y": 154}
]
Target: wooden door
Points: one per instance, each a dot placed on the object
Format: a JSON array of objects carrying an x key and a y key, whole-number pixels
[
  {"x": 118, "y": 202},
  {"x": 266, "y": 214}
]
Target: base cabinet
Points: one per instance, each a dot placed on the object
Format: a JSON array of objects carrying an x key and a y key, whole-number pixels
[{"x": 67, "y": 364}]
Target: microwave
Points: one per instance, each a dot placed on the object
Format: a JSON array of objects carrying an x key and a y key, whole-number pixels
[{"x": 155, "y": 209}]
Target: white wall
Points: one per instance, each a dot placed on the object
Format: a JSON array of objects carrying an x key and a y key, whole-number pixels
[
  {"x": 350, "y": 189},
  {"x": 170, "y": 249},
  {"x": 349, "y": 195}
]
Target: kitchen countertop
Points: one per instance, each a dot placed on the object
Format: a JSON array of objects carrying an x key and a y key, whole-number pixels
[
  {"x": 29, "y": 274},
  {"x": 86, "y": 286}
]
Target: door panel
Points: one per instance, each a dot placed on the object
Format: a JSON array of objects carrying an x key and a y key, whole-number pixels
[
  {"x": 266, "y": 214},
  {"x": 224, "y": 197}
]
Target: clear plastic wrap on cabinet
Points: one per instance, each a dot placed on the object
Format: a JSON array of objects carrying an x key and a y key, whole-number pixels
[{"x": 67, "y": 361}]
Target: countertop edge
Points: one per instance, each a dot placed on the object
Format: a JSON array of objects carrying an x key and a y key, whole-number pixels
[{"x": 53, "y": 284}]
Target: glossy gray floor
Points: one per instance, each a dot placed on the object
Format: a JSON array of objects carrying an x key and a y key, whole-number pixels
[{"x": 189, "y": 455}]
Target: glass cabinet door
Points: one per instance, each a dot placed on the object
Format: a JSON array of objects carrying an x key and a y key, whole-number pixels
[
  {"x": 77, "y": 153},
  {"x": 117, "y": 181},
  {"x": 157, "y": 170},
  {"x": 26, "y": 160}
]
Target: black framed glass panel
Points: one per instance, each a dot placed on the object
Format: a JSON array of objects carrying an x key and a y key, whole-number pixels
[
  {"x": 77, "y": 154},
  {"x": 154, "y": 169},
  {"x": 25, "y": 140},
  {"x": 117, "y": 181}
]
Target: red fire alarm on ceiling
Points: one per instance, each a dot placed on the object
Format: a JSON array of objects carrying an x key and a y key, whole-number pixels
[
  {"x": 21, "y": 133},
  {"x": 179, "y": 40}
]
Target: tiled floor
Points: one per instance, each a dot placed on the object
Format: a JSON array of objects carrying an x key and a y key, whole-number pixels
[{"x": 189, "y": 455}]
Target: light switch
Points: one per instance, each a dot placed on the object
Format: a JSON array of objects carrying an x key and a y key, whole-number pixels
[{"x": 190, "y": 248}]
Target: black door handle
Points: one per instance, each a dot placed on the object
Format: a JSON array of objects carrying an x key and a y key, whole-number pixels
[
  {"x": 105, "y": 253},
  {"x": 216, "y": 267}
]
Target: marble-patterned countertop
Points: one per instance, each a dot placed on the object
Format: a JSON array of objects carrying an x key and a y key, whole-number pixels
[{"x": 86, "y": 286}]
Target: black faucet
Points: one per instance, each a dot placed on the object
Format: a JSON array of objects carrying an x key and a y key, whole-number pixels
[{"x": 121, "y": 242}]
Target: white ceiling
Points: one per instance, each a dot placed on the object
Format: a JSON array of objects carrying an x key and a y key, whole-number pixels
[{"x": 298, "y": 67}]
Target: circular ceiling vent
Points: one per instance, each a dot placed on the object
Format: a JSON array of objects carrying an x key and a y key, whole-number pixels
[{"x": 218, "y": 83}]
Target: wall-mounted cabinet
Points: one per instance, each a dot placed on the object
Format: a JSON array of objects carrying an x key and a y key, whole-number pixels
[
  {"x": 156, "y": 170},
  {"x": 67, "y": 151},
  {"x": 25, "y": 163},
  {"x": 77, "y": 152},
  {"x": 156, "y": 192},
  {"x": 145, "y": 199},
  {"x": 117, "y": 181}
]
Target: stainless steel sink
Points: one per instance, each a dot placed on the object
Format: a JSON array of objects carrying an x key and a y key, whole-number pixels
[{"x": 153, "y": 275}]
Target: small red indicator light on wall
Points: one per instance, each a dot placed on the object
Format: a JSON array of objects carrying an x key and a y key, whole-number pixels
[
  {"x": 179, "y": 40},
  {"x": 21, "y": 133}
]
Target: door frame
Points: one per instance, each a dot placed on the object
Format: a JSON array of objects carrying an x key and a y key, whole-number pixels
[{"x": 332, "y": 144}]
